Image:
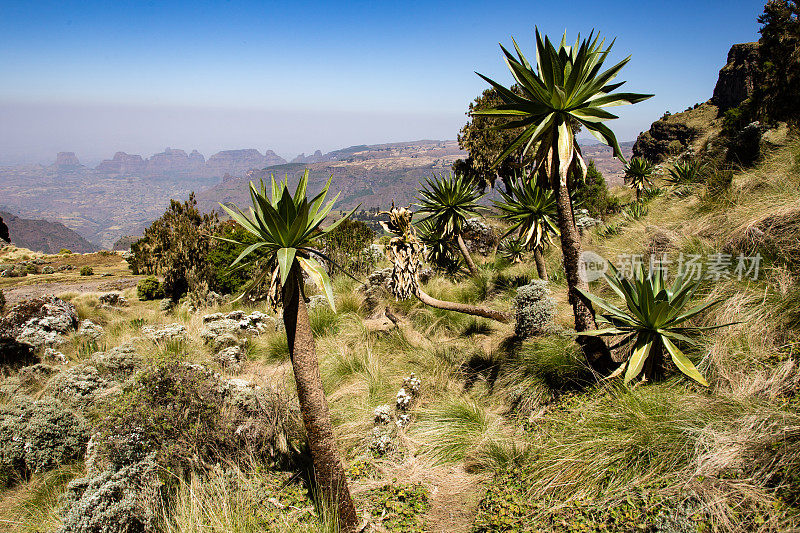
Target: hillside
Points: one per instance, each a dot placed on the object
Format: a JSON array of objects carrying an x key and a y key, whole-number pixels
[
  {"x": 376, "y": 175},
  {"x": 45, "y": 236}
]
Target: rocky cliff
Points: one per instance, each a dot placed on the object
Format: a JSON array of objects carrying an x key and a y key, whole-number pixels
[
  {"x": 67, "y": 160},
  {"x": 737, "y": 79}
]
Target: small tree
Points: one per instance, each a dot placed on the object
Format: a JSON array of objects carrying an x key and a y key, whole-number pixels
[
  {"x": 176, "y": 246},
  {"x": 449, "y": 201},
  {"x": 287, "y": 230}
]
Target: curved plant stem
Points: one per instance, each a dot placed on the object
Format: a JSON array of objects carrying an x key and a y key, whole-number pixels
[{"x": 475, "y": 310}]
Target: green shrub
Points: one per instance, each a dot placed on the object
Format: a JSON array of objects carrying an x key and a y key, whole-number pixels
[
  {"x": 114, "y": 501},
  {"x": 65, "y": 251},
  {"x": 592, "y": 194},
  {"x": 38, "y": 436},
  {"x": 87, "y": 271},
  {"x": 79, "y": 387},
  {"x": 348, "y": 248},
  {"x": 31, "y": 269},
  {"x": 149, "y": 288},
  {"x": 227, "y": 280},
  {"x": 401, "y": 507},
  {"x": 188, "y": 417},
  {"x": 176, "y": 247}
]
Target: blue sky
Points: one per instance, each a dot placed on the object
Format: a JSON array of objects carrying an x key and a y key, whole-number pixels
[{"x": 96, "y": 77}]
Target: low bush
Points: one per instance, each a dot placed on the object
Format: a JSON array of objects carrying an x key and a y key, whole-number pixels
[
  {"x": 36, "y": 436},
  {"x": 189, "y": 417},
  {"x": 86, "y": 271}
]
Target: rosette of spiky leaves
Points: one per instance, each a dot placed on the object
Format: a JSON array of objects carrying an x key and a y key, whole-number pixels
[
  {"x": 448, "y": 201},
  {"x": 531, "y": 210},
  {"x": 654, "y": 318},
  {"x": 567, "y": 86},
  {"x": 439, "y": 250},
  {"x": 287, "y": 228},
  {"x": 512, "y": 250},
  {"x": 636, "y": 210},
  {"x": 637, "y": 175},
  {"x": 685, "y": 172},
  {"x": 404, "y": 251}
]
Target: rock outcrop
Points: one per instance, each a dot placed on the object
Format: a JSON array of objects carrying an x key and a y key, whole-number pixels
[
  {"x": 237, "y": 162},
  {"x": 737, "y": 79},
  {"x": 67, "y": 161},
  {"x": 122, "y": 164},
  {"x": 662, "y": 139}
]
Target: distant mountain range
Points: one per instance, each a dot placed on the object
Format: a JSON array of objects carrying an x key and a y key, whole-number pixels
[
  {"x": 44, "y": 236},
  {"x": 123, "y": 195}
]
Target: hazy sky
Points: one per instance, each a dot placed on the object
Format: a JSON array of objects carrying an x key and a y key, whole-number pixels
[{"x": 97, "y": 77}]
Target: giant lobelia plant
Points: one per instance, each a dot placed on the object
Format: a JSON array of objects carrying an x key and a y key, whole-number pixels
[
  {"x": 287, "y": 229},
  {"x": 531, "y": 210},
  {"x": 566, "y": 87},
  {"x": 655, "y": 318},
  {"x": 448, "y": 201}
]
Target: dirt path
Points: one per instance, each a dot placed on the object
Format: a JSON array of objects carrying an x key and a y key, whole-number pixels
[
  {"x": 454, "y": 501},
  {"x": 20, "y": 293}
]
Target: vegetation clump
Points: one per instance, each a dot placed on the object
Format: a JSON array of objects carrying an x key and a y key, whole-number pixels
[
  {"x": 149, "y": 288},
  {"x": 87, "y": 271}
]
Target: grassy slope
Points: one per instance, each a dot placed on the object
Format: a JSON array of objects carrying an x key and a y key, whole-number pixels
[{"x": 553, "y": 452}]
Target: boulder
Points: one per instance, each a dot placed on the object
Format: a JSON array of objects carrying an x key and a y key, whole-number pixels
[
  {"x": 479, "y": 236},
  {"x": 113, "y": 299}
]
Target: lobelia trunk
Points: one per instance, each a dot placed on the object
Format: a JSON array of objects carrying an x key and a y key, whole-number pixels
[
  {"x": 467, "y": 257},
  {"x": 313, "y": 404},
  {"x": 475, "y": 310},
  {"x": 597, "y": 353},
  {"x": 538, "y": 258}
]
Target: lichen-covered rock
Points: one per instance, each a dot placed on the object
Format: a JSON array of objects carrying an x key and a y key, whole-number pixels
[
  {"x": 115, "y": 501},
  {"x": 479, "y": 236},
  {"x": 49, "y": 355},
  {"x": 584, "y": 221},
  {"x": 534, "y": 310},
  {"x": 113, "y": 299},
  {"x": 38, "y": 322},
  {"x": 167, "y": 333}
]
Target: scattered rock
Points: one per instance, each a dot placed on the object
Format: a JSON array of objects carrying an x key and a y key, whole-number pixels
[{"x": 113, "y": 299}]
